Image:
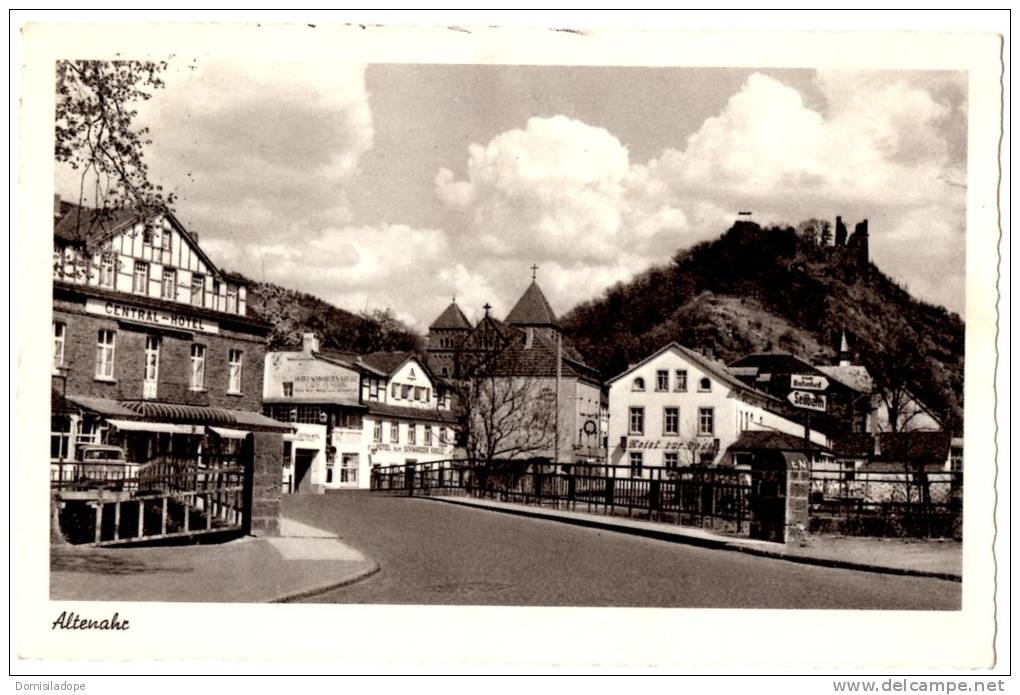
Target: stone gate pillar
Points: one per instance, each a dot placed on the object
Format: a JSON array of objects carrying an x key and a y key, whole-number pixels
[
  {"x": 798, "y": 489},
  {"x": 266, "y": 483}
]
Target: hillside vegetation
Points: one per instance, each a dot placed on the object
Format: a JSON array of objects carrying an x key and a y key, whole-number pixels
[
  {"x": 757, "y": 289},
  {"x": 292, "y": 313}
]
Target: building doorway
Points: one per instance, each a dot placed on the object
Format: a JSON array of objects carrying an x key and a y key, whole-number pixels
[{"x": 303, "y": 459}]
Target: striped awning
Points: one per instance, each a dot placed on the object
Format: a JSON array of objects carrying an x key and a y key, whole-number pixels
[
  {"x": 179, "y": 412},
  {"x": 158, "y": 411},
  {"x": 102, "y": 406}
]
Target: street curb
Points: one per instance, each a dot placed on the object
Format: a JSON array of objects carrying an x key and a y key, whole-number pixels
[
  {"x": 329, "y": 586},
  {"x": 706, "y": 542}
]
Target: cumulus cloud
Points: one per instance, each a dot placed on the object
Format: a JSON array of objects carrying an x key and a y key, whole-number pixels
[
  {"x": 565, "y": 194},
  {"x": 265, "y": 159},
  {"x": 260, "y": 151}
]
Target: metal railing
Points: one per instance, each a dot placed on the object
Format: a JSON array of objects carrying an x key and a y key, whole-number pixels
[
  {"x": 718, "y": 498},
  {"x": 887, "y": 503}
]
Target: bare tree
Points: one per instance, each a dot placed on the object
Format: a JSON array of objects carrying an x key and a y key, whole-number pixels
[
  {"x": 97, "y": 136},
  {"x": 506, "y": 412}
]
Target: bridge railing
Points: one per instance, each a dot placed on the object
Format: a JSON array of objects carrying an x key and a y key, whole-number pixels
[{"x": 718, "y": 498}]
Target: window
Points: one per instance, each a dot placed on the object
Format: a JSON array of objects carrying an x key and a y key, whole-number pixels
[
  {"x": 637, "y": 420},
  {"x": 197, "y": 290},
  {"x": 671, "y": 459},
  {"x": 166, "y": 257},
  {"x": 59, "y": 334},
  {"x": 141, "y": 281},
  {"x": 394, "y": 391},
  {"x": 394, "y": 432},
  {"x": 638, "y": 385},
  {"x": 288, "y": 389},
  {"x": 662, "y": 380},
  {"x": 637, "y": 462},
  {"x": 705, "y": 384},
  {"x": 151, "y": 376},
  {"x": 197, "y": 367},
  {"x": 107, "y": 269},
  {"x": 681, "y": 380},
  {"x": 443, "y": 438},
  {"x": 377, "y": 432},
  {"x": 412, "y": 433},
  {"x": 232, "y": 298},
  {"x": 373, "y": 389},
  {"x": 428, "y": 395},
  {"x": 60, "y": 438},
  {"x": 105, "y": 343},
  {"x": 216, "y": 295},
  {"x": 405, "y": 392},
  {"x": 671, "y": 421},
  {"x": 428, "y": 435},
  {"x": 329, "y": 470},
  {"x": 234, "y": 384},
  {"x": 349, "y": 468},
  {"x": 169, "y": 283},
  {"x": 706, "y": 421},
  {"x": 419, "y": 393}
]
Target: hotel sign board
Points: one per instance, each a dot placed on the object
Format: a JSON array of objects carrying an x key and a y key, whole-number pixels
[
  {"x": 808, "y": 400},
  {"x": 808, "y": 382},
  {"x": 157, "y": 318}
]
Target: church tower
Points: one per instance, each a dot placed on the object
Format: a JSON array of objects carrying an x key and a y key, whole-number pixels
[
  {"x": 446, "y": 334},
  {"x": 532, "y": 312}
]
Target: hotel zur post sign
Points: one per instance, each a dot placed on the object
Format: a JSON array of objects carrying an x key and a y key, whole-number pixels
[{"x": 157, "y": 318}]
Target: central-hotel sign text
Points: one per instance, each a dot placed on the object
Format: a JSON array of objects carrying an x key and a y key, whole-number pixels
[{"x": 150, "y": 317}]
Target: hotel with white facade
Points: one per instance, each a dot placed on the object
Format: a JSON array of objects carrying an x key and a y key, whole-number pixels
[{"x": 677, "y": 407}]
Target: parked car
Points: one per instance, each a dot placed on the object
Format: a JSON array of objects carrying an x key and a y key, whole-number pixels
[{"x": 104, "y": 466}]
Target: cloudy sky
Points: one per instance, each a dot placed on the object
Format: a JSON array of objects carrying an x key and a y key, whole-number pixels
[{"x": 402, "y": 185}]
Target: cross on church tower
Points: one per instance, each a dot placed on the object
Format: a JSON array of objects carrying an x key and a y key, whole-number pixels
[
  {"x": 534, "y": 271},
  {"x": 487, "y": 307}
]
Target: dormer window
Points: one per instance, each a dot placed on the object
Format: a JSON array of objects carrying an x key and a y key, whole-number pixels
[
  {"x": 638, "y": 384},
  {"x": 705, "y": 384}
]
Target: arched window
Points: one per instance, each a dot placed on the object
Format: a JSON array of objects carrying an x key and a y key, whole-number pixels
[
  {"x": 705, "y": 384},
  {"x": 638, "y": 385}
]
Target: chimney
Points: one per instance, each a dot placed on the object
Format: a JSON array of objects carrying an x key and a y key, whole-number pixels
[{"x": 309, "y": 343}]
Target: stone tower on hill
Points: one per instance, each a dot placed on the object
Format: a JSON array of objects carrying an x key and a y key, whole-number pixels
[{"x": 858, "y": 243}]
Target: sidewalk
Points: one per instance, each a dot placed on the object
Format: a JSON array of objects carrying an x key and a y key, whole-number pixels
[
  {"x": 914, "y": 557},
  {"x": 301, "y": 562}
]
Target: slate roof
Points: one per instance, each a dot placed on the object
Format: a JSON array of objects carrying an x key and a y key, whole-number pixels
[
  {"x": 399, "y": 411},
  {"x": 539, "y": 360},
  {"x": 386, "y": 362},
  {"x": 854, "y": 376},
  {"x": 532, "y": 309},
  {"x": 771, "y": 439},
  {"x": 452, "y": 318},
  {"x": 82, "y": 224}
]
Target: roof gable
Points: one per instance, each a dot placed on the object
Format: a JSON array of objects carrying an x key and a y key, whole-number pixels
[
  {"x": 532, "y": 309},
  {"x": 452, "y": 318},
  {"x": 712, "y": 367}
]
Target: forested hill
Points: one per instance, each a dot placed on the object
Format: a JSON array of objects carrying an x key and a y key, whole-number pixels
[
  {"x": 756, "y": 289},
  {"x": 292, "y": 313}
]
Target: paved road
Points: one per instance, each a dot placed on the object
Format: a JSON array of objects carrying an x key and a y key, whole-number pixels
[{"x": 436, "y": 553}]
